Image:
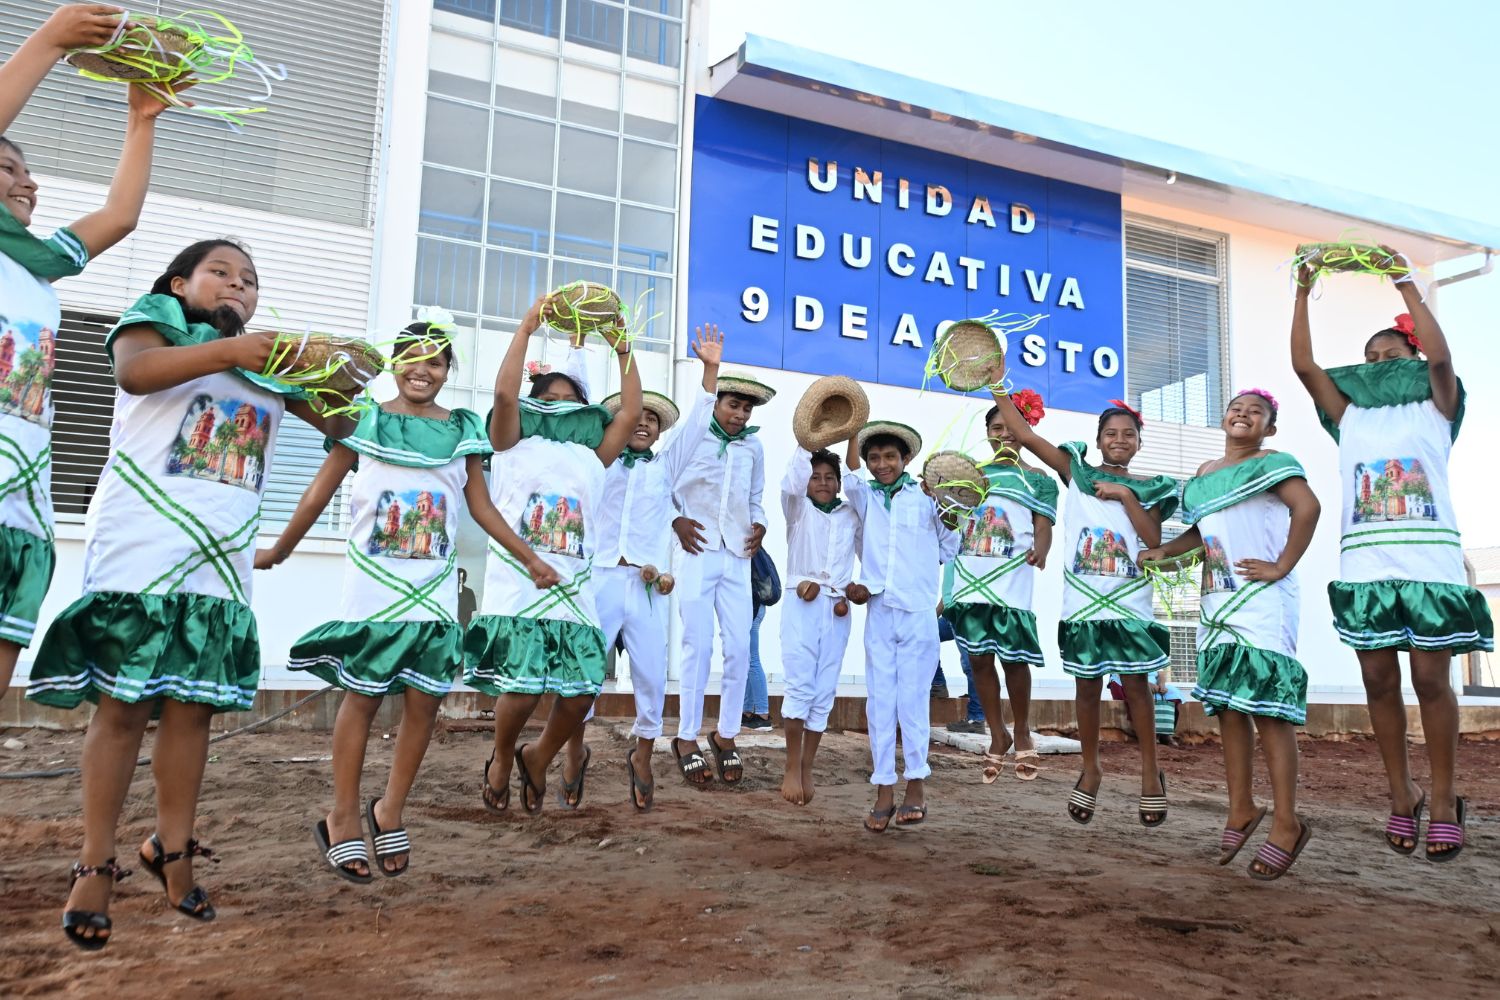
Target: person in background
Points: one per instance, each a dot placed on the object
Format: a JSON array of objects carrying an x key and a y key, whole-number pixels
[
  {"x": 1166, "y": 700},
  {"x": 973, "y": 720},
  {"x": 467, "y": 602},
  {"x": 757, "y": 708}
]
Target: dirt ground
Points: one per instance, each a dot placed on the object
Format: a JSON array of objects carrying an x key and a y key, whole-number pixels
[{"x": 725, "y": 893}]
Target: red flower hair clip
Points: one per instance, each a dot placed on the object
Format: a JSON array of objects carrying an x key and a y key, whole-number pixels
[
  {"x": 1131, "y": 410},
  {"x": 1029, "y": 402},
  {"x": 1407, "y": 327}
]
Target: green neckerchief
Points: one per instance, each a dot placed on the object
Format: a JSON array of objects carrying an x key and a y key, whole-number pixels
[
  {"x": 726, "y": 438},
  {"x": 61, "y": 256},
  {"x": 630, "y": 456},
  {"x": 827, "y": 508},
  {"x": 890, "y": 491}
]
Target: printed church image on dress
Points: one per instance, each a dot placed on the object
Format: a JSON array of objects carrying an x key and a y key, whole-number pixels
[
  {"x": 410, "y": 525},
  {"x": 25, "y": 371},
  {"x": 1392, "y": 489},
  {"x": 222, "y": 440},
  {"x": 553, "y": 523}
]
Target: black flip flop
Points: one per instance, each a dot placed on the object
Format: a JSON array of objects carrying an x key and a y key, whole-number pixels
[
  {"x": 920, "y": 812},
  {"x": 388, "y": 843},
  {"x": 529, "y": 791},
  {"x": 195, "y": 904},
  {"x": 496, "y": 800},
  {"x": 575, "y": 787},
  {"x": 646, "y": 789},
  {"x": 726, "y": 759},
  {"x": 691, "y": 764},
  {"x": 345, "y": 852},
  {"x": 880, "y": 814}
]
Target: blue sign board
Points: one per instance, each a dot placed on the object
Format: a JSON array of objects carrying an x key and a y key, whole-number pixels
[{"x": 830, "y": 252}]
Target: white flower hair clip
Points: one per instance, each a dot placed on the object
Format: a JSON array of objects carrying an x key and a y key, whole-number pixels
[{"x": 435, "y": 316}]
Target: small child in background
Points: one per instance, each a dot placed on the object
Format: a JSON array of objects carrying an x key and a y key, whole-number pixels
[{"x": 822, "y": 534}]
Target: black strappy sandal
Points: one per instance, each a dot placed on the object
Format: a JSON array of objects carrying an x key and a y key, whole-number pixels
[
  {"x": 574, "y": 789},
  {"x": 496, "y": 800},
  {"x": 388, "y": 843},
  {"x": 75, "y": 922},
  {"x": 726, "y": 760},
  {"x": 195, "y": 904},
  {"x": 531, "y": 794},
  {"x": 642, "y": 793}
]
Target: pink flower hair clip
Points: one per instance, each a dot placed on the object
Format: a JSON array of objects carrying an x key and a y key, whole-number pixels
[
  {"x": 1263, "y": 394},
  {"x": 535, "y": 370}
]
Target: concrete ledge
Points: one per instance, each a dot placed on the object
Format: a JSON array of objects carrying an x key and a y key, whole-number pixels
[{"x": 1053, "y": 716}]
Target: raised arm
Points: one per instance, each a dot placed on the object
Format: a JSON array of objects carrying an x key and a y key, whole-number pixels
[
  {"x": 73, "y": 26},
  {"x": 1052, "y": 456},
  {"x": 617, "y": 434},
  {"x": 117, "y": 219},
  {"x": 319, "y": 492},
  {"x": 145, "y": 362},
  {"x": 482, "y": 510},
  {"x": 505, "y": 418},
  {"x": 1440, "y": 372},
  {"x": 1325, "y": 395},
  {"x": 794, "y": 483},
  {"x": 1305, "y": 510},
  {"x": 678, "y": 452}
]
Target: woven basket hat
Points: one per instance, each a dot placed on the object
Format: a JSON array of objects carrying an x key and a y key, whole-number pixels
[
  {"x": 151, "y": 41},
  {"x": 909, "y": 435},
  {"x": 583, "y": 307},
  {"x": 666, "y": 411},
  {"x": 1353, "y": 257},
  {"x": 832, "y": 409},
  {"x": 966, "y": 353},
  {"x": 954, "y": 479},
  {"x": 743, "y": 385},
  {"x": 354, "y": 364}
]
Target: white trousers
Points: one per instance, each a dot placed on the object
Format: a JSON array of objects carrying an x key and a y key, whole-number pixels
[
  {"x": 627, "y": 608},
  {"x": 715, "y": 582},
  {"x": 813, "y": 640},
  {"x": 901, "y": 648}
]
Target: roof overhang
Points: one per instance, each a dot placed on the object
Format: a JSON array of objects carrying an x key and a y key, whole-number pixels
[{"x": 784, "y": 78}]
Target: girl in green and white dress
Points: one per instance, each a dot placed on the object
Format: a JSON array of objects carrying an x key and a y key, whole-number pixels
[
  {"x": 987, "y": 588},
  {"x": 546, "y": 479},
  {"x": 1253, "y": 515},
  {"x": 165, "y": 625},
  {"x": 1108, "y": 624},
  {"x": 1402, "y": 583},
  {"x": 30, "y": 317},
  {"x": 417, "y": 465}
]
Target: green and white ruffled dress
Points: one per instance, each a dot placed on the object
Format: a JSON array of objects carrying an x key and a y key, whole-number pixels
[
  {"x": 987, "y": 588},
  {"x": 525, "y": 640},
  {"x": 1108, "y": 625},
  {"x": 1401, "y": 560},
  {"x": 170, "y": 541},
  {"x": 1247, "y": 630},
  {"x": 398, "y": 621},
  {"x": 29, "y": 318}
]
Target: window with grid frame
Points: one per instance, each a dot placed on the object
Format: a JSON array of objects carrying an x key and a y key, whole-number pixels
[
  {"x": 1175, "y": 603},
  {"x": 1176, "y": 321},
  {"x": 83, "y": 398}
]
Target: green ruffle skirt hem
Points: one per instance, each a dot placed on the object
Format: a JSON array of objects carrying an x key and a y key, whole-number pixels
[
  {"x": 26, "y": 564},
  {"x": 1008, "y": 634},
  {"x": 1409, "y": 614},
  {"x": 1101, "y": 647},
  {"x": 1236, "y": 678},
  {"x": 506, "y": 655},
  {"x": 381, "y": 658},
  {"x": 139, "y": 647}
]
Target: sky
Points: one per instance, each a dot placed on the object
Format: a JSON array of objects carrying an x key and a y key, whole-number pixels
[{"x": 1378, "y": 96}]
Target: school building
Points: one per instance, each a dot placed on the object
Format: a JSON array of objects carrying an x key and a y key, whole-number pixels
[{"x": 829, "y": 215}]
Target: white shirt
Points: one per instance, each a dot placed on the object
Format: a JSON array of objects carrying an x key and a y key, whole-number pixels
[
  {"x": 636, "y": 511},
  {"x": 819, "y": 546},
  {"x": 904, "y": 547},
  {"x": 724, "y": 493}
]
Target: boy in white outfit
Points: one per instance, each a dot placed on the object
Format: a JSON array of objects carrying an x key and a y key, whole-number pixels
[
  {"x": 633, "y": 557},
  {"x": 822, "y": 535},
  {"x": 721, "y": 528},
  {"x": 905, "y": 542}
]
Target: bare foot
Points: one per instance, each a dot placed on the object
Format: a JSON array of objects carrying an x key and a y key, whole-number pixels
[
  {"x": 1000, "y": 741},
  {"x": 791, "y": 785},
  {"x": 807, "y": 777}
]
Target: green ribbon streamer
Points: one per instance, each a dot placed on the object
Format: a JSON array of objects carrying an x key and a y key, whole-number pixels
[
  {"x": 889, "y": 491},
  {"x": 726, "y": 438}
]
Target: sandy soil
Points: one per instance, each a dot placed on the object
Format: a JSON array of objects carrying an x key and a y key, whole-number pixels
[{"x": 723, "y": 893}]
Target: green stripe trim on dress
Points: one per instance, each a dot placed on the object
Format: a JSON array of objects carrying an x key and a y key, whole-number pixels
[
  {"x": 562, "y": 593},
  {"x": 409, "y": 596},
  {"x": 972, "y": 584},
  {"x": 1102, "y": 602},
  {"x": 28, "y": 472},
  {"x": 1282, "y": 468},
  {"x": 352, "y": 682},
  {"x": 137, "y": 479},
  {"x": 131, "y": 690}
]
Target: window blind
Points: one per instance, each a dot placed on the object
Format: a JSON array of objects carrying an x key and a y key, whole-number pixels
[
  {"x": 310, "y": 155},
  {"x": 83, "y": 398}
]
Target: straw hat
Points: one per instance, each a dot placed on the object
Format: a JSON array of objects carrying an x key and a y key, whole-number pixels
[
  {"x": 832, "y": 409},
  {"x": 955, "y": 481},
  {"x": 966, "y": 353},
  {"x": 910, "y": 436},
  {"x": 153, "y": 50},
  {"x": 342, "y": 364},
  {"x": 583, "y": 307},
  {"x": 743, "y": 385},
  {"x": 666, "y": 411}
]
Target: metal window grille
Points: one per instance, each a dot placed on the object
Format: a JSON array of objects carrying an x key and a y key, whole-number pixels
[{"x": 1176, "y": 321}]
